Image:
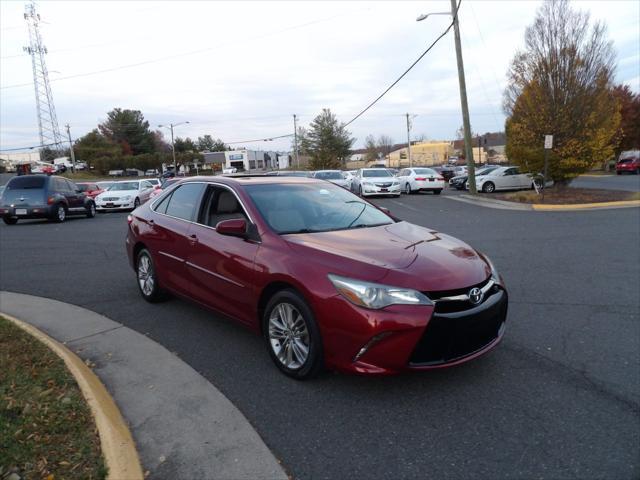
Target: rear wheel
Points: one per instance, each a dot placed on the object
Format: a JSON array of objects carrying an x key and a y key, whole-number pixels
[
  {"x": 292, "y": 335},
  {"x": 147, "y": 278},
  {"x": 488, "y": 187},
  {"x": 437, "y": 192},
  {"x": 59, "y": 213},
  {"x": 10, "y": 220}
]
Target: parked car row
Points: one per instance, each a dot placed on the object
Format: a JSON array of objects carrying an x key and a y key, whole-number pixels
[{"x": 55, "y": 198}]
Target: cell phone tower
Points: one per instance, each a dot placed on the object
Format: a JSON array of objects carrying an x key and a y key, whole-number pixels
[{"x": 47, "y": 120}]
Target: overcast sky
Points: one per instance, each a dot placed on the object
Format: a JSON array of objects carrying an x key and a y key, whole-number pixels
[{"x": 239, "y": 70}]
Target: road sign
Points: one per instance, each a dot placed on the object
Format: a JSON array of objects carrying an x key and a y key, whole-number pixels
[{"x": 548, "y": 142}]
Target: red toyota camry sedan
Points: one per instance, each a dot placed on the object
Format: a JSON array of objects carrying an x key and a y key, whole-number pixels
[{"x": 327, "y": 278}]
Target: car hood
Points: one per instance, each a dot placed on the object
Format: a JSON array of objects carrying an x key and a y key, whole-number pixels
[
  {"x": 400, "y": 254},
  {"x": 461, "y": 177},
  {"x": 337, "y": 181}
]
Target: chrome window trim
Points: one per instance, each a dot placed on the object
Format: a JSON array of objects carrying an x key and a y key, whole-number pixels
[
  {"x": 217, "y": 275},
  {"x": 152, "y": 205}
]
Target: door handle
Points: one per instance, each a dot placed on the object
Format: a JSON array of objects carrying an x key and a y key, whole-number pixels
[{"x": 193, "y": 239}]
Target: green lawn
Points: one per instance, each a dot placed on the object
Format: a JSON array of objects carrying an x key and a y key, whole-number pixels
[{"x": 46, "y": 428}]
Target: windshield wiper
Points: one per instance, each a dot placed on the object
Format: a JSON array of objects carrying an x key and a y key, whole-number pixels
[{"x": 302, "y": 230}]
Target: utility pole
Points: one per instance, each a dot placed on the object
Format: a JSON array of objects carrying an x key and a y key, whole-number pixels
[
  {"x": 73, "y": 156},
  {"x": 468, "y": 149},
  {"x": 409, "y": 141},
  {"x": 295, "y": 141},
  {"x": 173, "y": 145}
]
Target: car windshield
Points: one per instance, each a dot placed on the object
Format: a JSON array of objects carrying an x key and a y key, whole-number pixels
[
  {"x": 329, "y": 175},
  {"x": 26, "y": 182},
  {"x": 167, "y": 182},
  {"x": 376, "y": 173},
  {"x": 424, "y": 171},
  {"x": 82, "y": 187},
  {"x": 123, "y": 186},
  {"x": 485, "y": 171},
  {"x": 308, "y": 208}
]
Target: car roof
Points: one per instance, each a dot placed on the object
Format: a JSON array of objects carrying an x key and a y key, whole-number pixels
[{"x": 252, "y": 179}]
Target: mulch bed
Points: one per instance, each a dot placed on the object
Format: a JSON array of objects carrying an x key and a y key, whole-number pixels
[{"x": 562, "y": 196}]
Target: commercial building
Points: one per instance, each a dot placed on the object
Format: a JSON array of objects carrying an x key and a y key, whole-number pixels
[
  {"x": 422, "y": 153},
  {"x": 247, "y": 160}
]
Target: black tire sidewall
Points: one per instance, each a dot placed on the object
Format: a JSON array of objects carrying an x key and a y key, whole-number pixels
[
  {"x": 91, "y": 212},
  {"x": 55, "y": 216},
  {"x": 315, "y": 361},
  {"x": 10, "y": 220},
  {"x": 486, "y": 189}
]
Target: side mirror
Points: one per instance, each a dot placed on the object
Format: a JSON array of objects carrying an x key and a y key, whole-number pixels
[{"x": 236, "y": 227}]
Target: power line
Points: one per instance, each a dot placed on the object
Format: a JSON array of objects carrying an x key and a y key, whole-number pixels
[
  {"x": 27, "y": 148},
  {"x": 180, "y": 55},
  {"x": 268, "y": 139},
  {"x": 408, "y": 69}
]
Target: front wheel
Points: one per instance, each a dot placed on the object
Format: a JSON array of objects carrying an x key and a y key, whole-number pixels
[
  {"x": 488, "y": 187},
  {"x": 148, "y": 278},
  {"x": 10, "y": 220},
  {"x": 407, "y": 189},
  {"x": 437, "y": 192},
  {"x": 91, "y": 210},
  {"x": 136, "y": 203},
  {"x": 360, "y": 190},
  {"x": 292, "y": 336}
]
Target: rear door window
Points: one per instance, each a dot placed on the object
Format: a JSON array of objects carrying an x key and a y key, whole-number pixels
[{"x": 185, "y": 201}]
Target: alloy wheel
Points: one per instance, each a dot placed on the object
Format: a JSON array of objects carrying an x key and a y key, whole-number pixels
[
  {"x": 146, "y": 279},
  {"x": 61, "y": 213},
  {"x": 288, "y": 336},
  {"x": 407, "y": 189}
]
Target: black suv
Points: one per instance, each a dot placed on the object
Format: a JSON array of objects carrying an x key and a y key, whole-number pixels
[{"x": 43, "y": 196}]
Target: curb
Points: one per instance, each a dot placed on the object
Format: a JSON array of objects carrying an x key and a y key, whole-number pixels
[
  {"x": 116, "y": 441},
  {"x": 505, "y": 205}
]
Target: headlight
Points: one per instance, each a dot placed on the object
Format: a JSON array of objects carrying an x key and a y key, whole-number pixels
[
  {"x": 126, "y": 198},
  {"x": 368, "y": 184},
  {"x": 376, "y": 296},
  {"x": 495, "y": 276},
  {"x": 395, "y": 184}
]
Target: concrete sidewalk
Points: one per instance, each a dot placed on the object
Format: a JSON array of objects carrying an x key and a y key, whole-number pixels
[{"x": 184, "y": 428}]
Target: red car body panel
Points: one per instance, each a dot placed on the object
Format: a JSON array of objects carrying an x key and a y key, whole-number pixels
[
  {"x": 231, "y": 275},
  {"x": 91, "y": 192}
]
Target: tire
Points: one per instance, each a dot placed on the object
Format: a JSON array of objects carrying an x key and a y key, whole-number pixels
[
  {"x": 136, "y": 203},
  {"x": 397, "y": 196},
  {"x": 147, "y": 279},
  {"x": 91, "y": 211},
  {"x": 407, "y": 189},
  {"x": 10, "y": 220},
  {"x": 288, "y": 318},
  {"x": 618, "y": 172},
  {"x": 59, "y": 213},
  {"x": 360, "y": 190},
  {"x": 488, "y": 187},
  {"x": 437, "y": 192}
]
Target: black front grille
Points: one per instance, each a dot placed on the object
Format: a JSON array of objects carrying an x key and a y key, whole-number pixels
[
  {"x": 449, "y": 337},
  {"x": 449, "y": 306},
  {"x": 383, "y": 185}
]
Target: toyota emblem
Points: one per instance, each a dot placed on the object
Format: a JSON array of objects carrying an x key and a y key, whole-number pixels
[{"x": 475, "y": 295}]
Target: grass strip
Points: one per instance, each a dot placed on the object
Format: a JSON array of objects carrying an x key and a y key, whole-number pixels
[{"x": 46, "y": 428}]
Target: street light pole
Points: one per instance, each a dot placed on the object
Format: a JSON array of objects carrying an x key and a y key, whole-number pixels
[
  {"x": 409, "y": 142},
  {"x": 468, "y": 147},
  {"x": 173, "y": 145},
  {"x": 295, "y": 140}
]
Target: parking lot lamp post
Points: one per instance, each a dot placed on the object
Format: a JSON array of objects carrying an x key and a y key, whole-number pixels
[
  {"x": 173, "y": 146},
  {"x": 468, "y": 148}
]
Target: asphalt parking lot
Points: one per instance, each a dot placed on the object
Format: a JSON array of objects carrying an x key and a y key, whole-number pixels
[{"x": 559, "y": 398}]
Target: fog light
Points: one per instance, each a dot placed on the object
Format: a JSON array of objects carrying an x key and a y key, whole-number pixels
[{"x": 374, "y": 340}]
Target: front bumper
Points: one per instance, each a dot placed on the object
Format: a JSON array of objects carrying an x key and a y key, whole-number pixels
[
  {"x": 115, "y": 205},
  {"x": 376, "y": 190},
  {"x": 27, "y": 212},
  {"x": 404, "y": 337}
]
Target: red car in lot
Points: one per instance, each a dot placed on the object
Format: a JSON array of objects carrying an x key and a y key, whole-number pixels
[
  {"x": 91, "y": 190},
  {"x": 326, "y": 277},
  {"x": 628, "y": 162}
]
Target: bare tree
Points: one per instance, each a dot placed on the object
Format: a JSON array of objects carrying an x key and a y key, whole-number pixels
[{"x": 385, "y": 144}]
